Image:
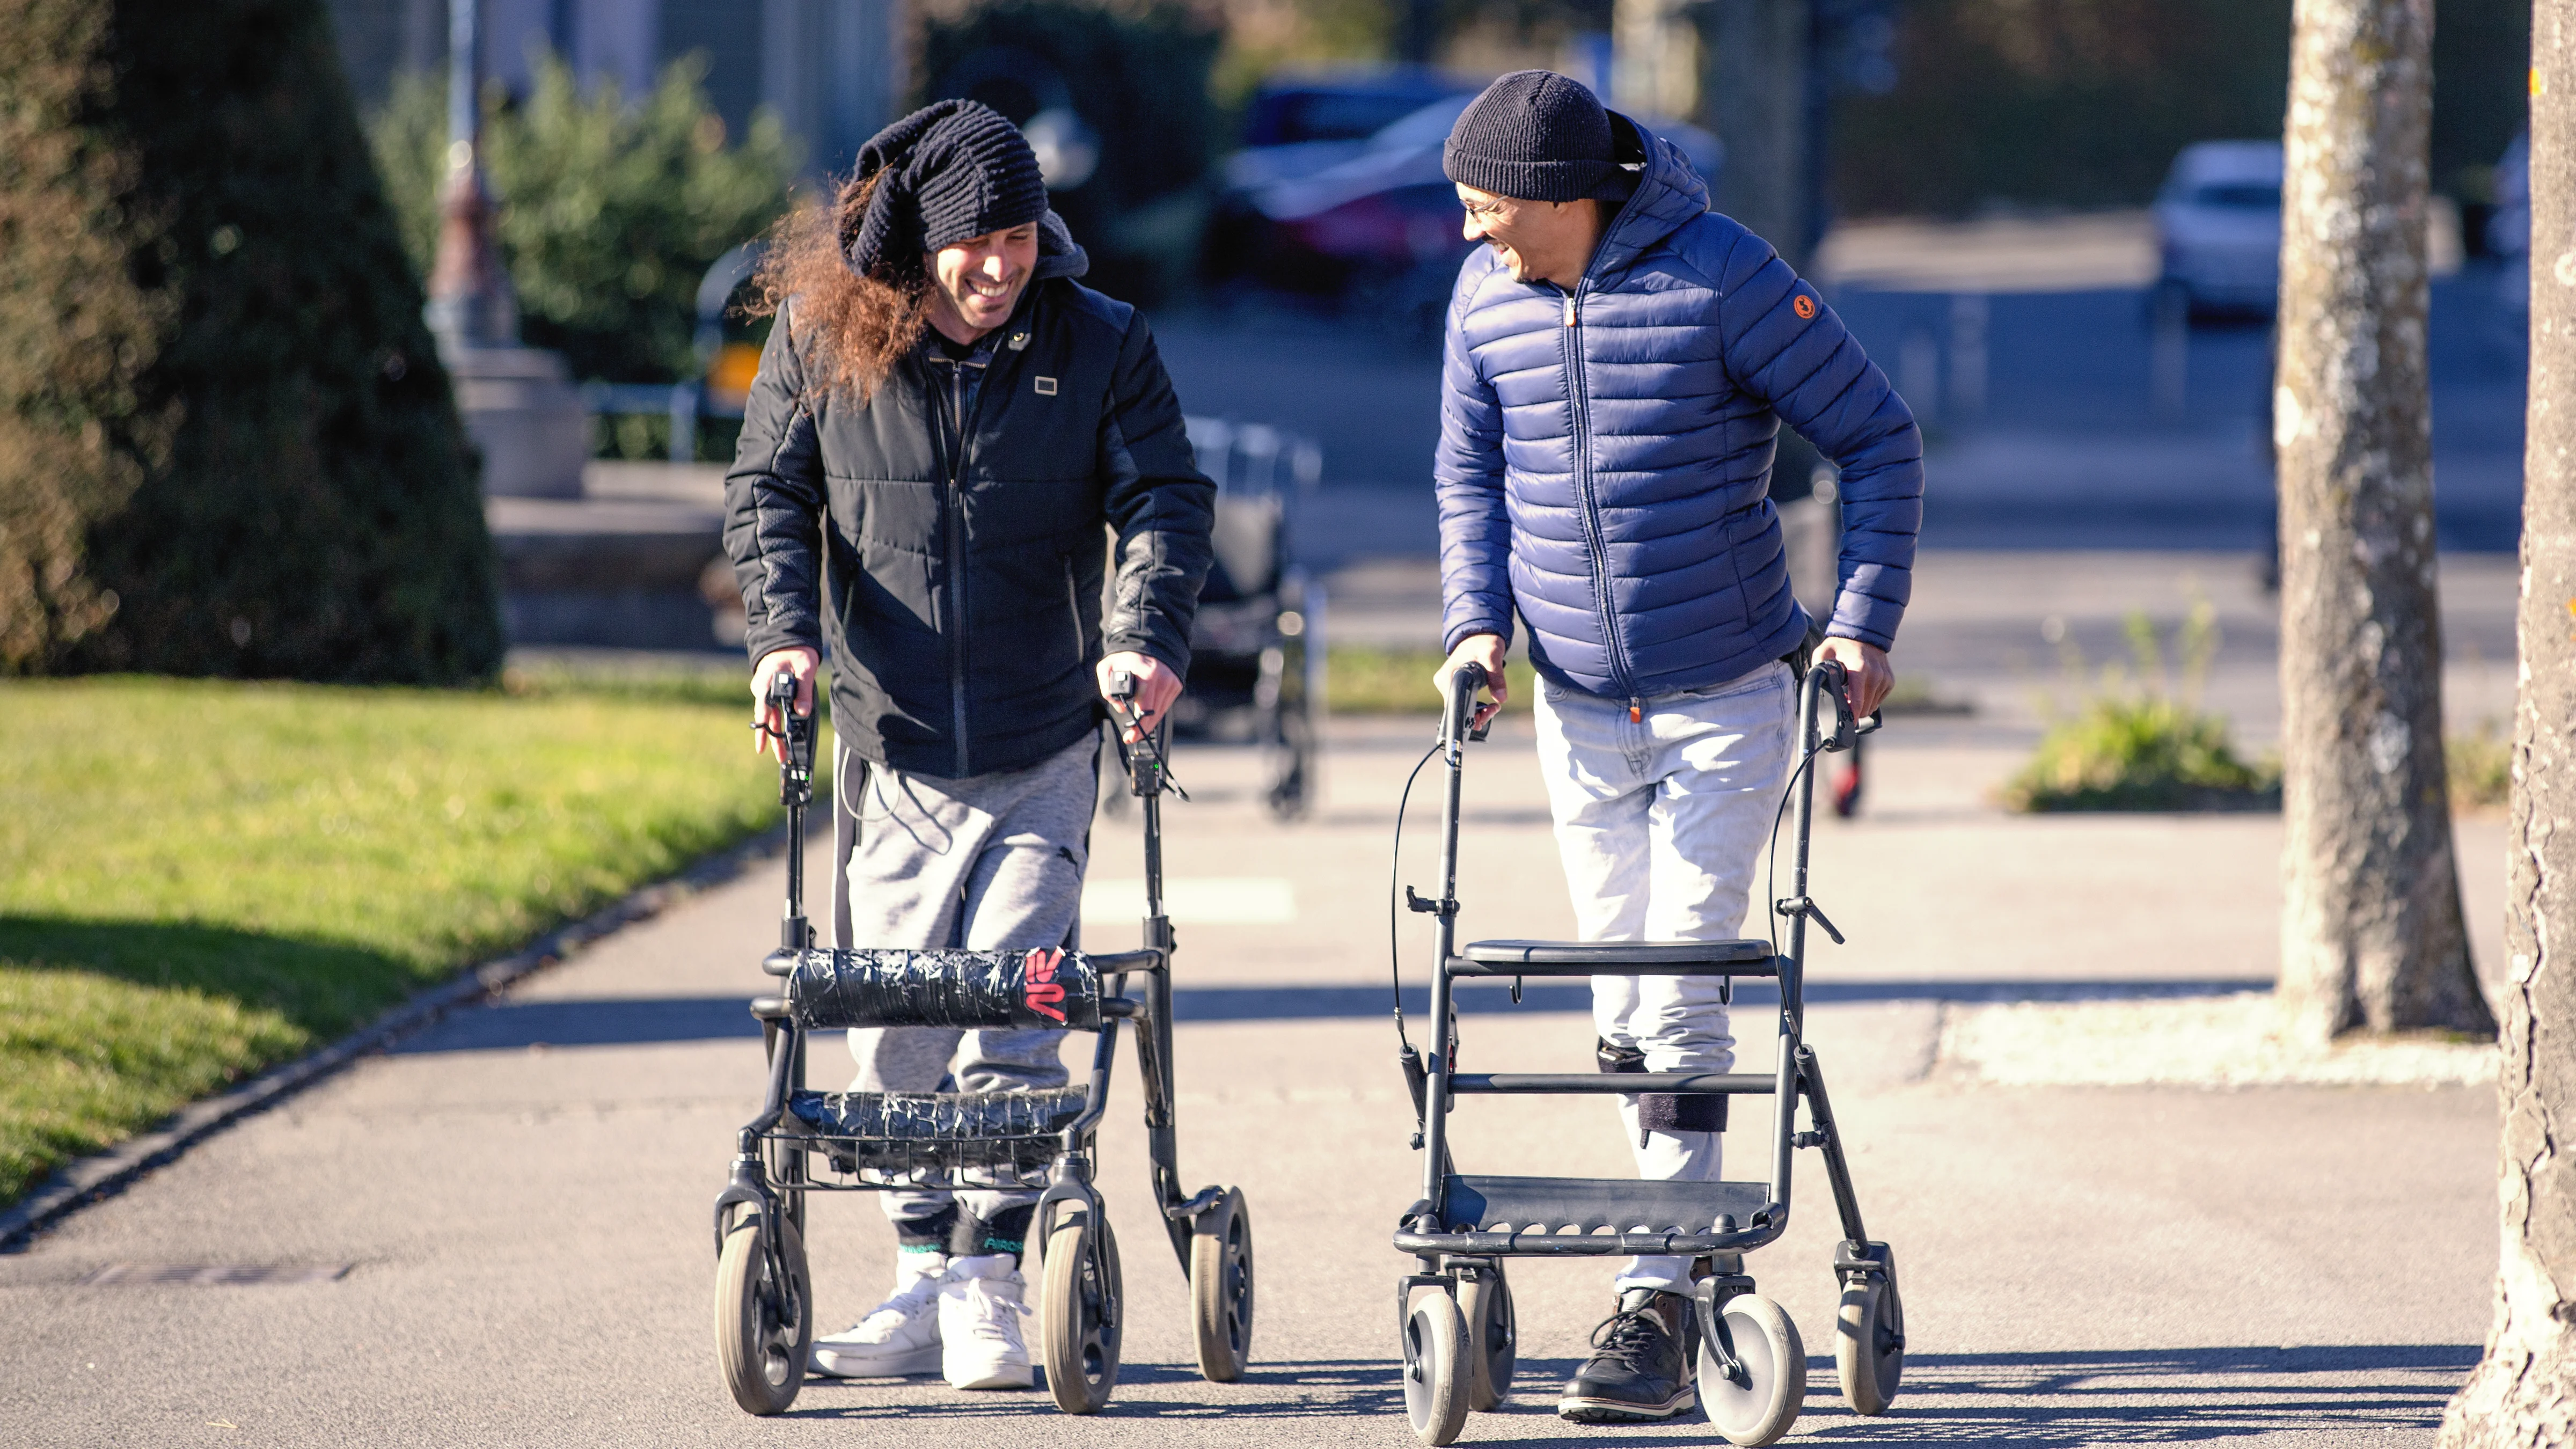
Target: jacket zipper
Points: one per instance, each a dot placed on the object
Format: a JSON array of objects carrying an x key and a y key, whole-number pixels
[
  {"x": 955, "y": 521},
  {"x": 1579, "y": 396}
]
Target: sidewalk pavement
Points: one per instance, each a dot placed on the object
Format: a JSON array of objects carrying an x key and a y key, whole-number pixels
[{"x": 520, "y": 1197}]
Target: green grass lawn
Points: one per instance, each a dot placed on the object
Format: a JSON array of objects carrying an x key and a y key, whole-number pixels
[
  {"x": 201, "y": 879},
  {"x": 1363, "y": 679}
]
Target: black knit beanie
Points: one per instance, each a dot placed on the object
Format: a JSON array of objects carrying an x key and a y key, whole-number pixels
[
  {"x": 1533, "y": 135},
  {"x": 952, "y": 170}
]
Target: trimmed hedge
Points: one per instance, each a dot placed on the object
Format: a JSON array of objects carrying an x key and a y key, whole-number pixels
[{"x": 226, "y": 443}]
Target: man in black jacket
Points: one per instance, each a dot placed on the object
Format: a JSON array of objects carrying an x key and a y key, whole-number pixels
[{"x": 949, "y": 434}]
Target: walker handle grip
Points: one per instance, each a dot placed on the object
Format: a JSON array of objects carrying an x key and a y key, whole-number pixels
[
  {"x": 1464, "y": 681},
  {"x": 1834, "y": 682},
  {"x": 796, "y": 757}
]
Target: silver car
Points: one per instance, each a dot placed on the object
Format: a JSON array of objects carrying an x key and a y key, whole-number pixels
[{"x": 2218, "y": 226}]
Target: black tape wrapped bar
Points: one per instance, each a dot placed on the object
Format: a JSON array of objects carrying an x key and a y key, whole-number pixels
[
  {"x": 830, "y": 989},
  {"x": 903, "y": 1131}
]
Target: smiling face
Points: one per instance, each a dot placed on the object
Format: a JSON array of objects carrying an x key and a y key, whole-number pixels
[
  {"x": 1540, "y": 241},
  {"x": 976, "y": 283}
]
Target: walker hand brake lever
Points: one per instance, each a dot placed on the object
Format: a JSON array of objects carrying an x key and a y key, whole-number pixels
[{"x": 1806, "y": 906}]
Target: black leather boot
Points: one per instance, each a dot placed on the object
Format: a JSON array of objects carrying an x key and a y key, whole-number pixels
[{"x": 1639, "y": 1370}]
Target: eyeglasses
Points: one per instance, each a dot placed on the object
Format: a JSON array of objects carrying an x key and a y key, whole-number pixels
[{"x": 1493, "y": 210}]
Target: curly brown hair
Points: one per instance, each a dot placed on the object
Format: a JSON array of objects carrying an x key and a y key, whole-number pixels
[{"x": 856, "y": 327}]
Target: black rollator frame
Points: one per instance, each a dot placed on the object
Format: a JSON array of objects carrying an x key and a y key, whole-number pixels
[
  {"x": 1454, "y": 1310},
  {"x": 1046, "y": 1139}
]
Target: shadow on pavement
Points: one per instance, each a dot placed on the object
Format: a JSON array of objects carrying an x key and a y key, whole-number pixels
[
  {"x": 2148, "y": 1396},
  {"x": 2069, "y": 1399},
  {"x": 1330, "y": 1389},
  {"x": 623, "y": 1021}
]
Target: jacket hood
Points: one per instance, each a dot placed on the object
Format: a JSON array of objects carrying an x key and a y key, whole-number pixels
[
  {"x": 1669, "y": 193},
  {"x": 1059, "y": 255}
]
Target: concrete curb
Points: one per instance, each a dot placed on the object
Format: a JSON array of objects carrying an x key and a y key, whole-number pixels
[{"x": 86, "y": 1180}]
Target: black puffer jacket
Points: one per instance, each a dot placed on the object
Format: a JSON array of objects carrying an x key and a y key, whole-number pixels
[{"x": 966, "y": 581}]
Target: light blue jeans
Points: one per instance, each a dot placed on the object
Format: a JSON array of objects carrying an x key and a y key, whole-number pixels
[{"x": 1661, "y": 821}]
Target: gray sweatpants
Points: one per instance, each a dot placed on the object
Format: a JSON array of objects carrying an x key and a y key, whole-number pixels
[{"x": 989, "y": 862}]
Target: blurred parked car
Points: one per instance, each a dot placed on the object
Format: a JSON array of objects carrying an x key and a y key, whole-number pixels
[
  {"x": 2218, "y": 227},
  {"x": 1379, "y": 224},
  {"x": 1300, "y": 124}
]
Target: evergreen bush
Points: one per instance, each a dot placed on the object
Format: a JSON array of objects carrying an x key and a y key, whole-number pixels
[
  {"x": 609, "y": 213},
  {"x": 226, "y": 443}
]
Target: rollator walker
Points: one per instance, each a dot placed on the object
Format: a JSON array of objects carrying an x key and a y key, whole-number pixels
[
  {"x": 1455, "y": 1309},
  {"x": 883, "y": 1141}
]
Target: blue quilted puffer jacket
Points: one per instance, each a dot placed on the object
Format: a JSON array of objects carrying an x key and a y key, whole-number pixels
[{"x": 1605, "y": 456}]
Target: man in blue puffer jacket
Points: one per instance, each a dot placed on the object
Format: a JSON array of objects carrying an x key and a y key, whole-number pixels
[{"x": 1619, "y": 362}]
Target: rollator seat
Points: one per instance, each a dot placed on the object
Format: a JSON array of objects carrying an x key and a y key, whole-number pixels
[
  {"x": 1557, "y": 1205},
  {"x": 1616, "y": 958},
  {"x": 830, "y": 989},
  {"x": 900, "y": 1131}
]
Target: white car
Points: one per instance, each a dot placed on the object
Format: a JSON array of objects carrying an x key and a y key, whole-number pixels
[{"x": 2218, "y": 226}]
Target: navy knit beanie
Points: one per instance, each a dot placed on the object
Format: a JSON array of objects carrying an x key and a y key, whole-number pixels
[
  {"x": 1533, "y": 135},
  {"x": 950, "y": 171}
]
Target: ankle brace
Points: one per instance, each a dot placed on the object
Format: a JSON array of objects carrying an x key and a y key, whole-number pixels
[{"x": 1006, "y": 1231}]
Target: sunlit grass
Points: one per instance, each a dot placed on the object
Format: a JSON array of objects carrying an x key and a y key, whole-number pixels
[
  {"x": 2140, "y": 740},
  {"x": 200, "y": 879},
  {"x": 1360, "y": 679}
]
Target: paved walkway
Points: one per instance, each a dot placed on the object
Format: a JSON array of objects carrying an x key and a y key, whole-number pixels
[{"x": 520, "y": 1197}]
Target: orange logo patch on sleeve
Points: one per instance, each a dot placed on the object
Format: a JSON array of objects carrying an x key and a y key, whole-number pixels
[{"x": 1804, "y": 306}]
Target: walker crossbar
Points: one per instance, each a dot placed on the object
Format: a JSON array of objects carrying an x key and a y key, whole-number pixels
[
  {"x": 1687, "y": 1084},
  {"x": 1468, "y": 966},
  {"x": 1624, "y": 958}
]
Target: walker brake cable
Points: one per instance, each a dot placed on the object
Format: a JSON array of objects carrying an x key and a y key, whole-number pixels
[
  {"x": 1416, "y": 1081},
  {"x": 1127, "y": 719},
  {"x": 1394, "y": 913}
]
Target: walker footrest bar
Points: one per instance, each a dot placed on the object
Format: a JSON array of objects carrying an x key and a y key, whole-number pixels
[
  {"x": 1615, "y": 958},
  {"x": 830, "y": 989},
  {"x": 1560, "y": 1206},
  {"x": 897, "y": 1131},
  {"x": 1689, "y": 1084}
]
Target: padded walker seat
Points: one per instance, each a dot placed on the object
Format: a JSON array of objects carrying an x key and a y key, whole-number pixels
[{"x": 1616, "y": 958}]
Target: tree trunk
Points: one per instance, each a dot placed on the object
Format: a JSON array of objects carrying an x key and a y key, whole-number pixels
[
  {"x": 2524, "y": 1391},
  {"x": 2371, "y": 934}
]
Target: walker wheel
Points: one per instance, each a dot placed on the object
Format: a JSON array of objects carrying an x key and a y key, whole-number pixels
[
  {"x": 1078, "y": 1318},
  {"x": 1435, "y": 1369},
  {"x": 1493, "y": 1333},
  {"x": 764, "y": 1328},
  {"x": 1221, "y": 1287},
  {"x": 1759, "y": 1402},
  {"x": 1869, "y": 1343}
]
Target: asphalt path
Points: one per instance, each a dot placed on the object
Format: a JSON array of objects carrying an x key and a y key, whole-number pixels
[{"x": 498, "y": 1234}]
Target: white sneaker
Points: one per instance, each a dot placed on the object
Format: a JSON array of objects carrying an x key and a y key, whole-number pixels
[
  {"x": 900, "y": 1336},
  {"x": 979, "y": 1325}
]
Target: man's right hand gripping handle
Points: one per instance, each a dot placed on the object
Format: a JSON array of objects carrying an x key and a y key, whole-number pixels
[{"x": 1485, "y": 651}]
